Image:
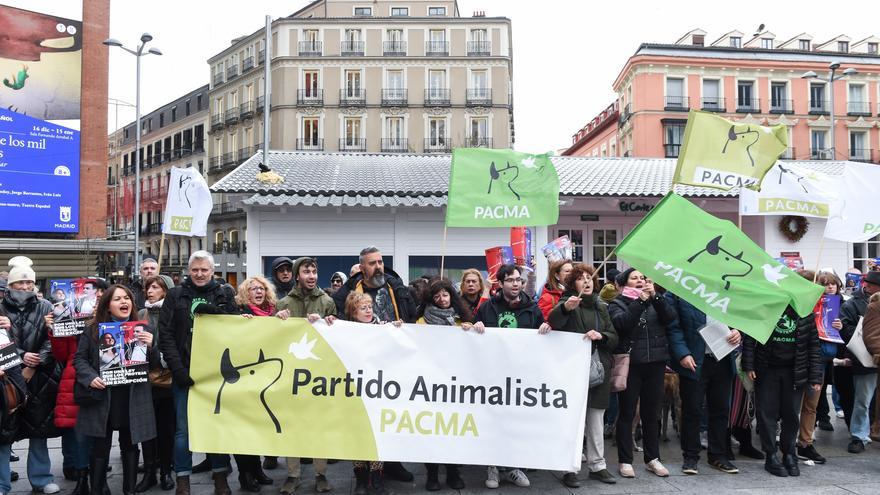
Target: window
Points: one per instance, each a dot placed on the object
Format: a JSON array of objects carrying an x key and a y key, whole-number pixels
[
  {"x": 604, "y": 243},
  {"x": 437, "y": 35},
  {"x": 864, "y": 251},
  {"x": 779, "y": 97},
  {"x": 218, "y": 106},
  {"x": 395, "y": 35},
  {"x": 395, "y": 79},
  {"x": 311, "y": 86},
  {"x": 353, "y": 83},
  {"x": 437, "y": 11},
  {"x": 843, "y": 46},
  {"x": 675, "y": 93},
  {"x": 365, "y": 11},
  {"x": 673, "y": 135},
  {"x": 745, "y": 95},
  {"x": 198, "y": 102},
  {"x": 310, "y": 132},
  {"x": 479, "y": 132},
  {"x": 480, "y": 79},
  {"x": 188, "y": 108},
  {"x": 352, "y": 132},
  {"x": 436, "y": 79},
  {"x": 712, "y": 95},
  {"x": 817, "y": 145},
  {"x": 767, "y": 43},
  {"x": 399, "y": 11},
  {"x": 394, "y": 131},
  {"x": 817, "y": 97},
  {"x": 437, "y": 132},
  {"x": 352, "y": 35},
  {"x": 352, "y": 42},
  {"x": 872, "y": 48},
  {"x": 479, "y": 35},
  {"x": 857, "y": 103},
  {"x": 804, "y": 45},
  {"x": 174, "y": 114},
  {"x": 857, "y": 147},
  {"x": 161, "y": 120},
  {"x": 736, "y": 42}
]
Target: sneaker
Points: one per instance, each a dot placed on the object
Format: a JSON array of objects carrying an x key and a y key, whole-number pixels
[
  {"x": 571, "y": 480},
  {"x": 321, "y": 484},
  {"x": 48, "y": 489},
  {"x": 724, "y": 466},
  {"x": 492, "y": 477},
  {"x": 809, "y": 453},
  {"x": 604, "y": 476},
  {"x": 856, "y": 446},
  {"x": 517, "y": 477},
  {"x": 626, "y": 471},
  {"x": 657, "y": 468},
  {"x": 825, "y": 425},
  {"x": 839, "y": 414},
  {"x": 689, "y": 467},
  {"x": 290, "y": 485}
]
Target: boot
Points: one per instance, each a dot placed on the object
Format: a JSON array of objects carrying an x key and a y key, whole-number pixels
[
  {"x": 221, "y": 486},
  {"x": 202, "y": 467},
  {"x": 248, "y": 483},
  {"x": 774, "y": 467},
  {"x": 362, "y": 480},
  {"x": 377, "y": 484},
  {"x": 746, "y": 449},
  {"x": 790, "y": 462},
  {"x": 453, "y": 478},
  {"x": 395, "y": 471},
  {"x": 149, "y": 479},
  {"x": 260, "y": 476},
  {"x": 82, "y": 482},
  {"x": 433, "y": 482},
  {"x": 182, "y": 485},
  {"x": 129, "y": 471},
  {"x": 166, "y": 482},
  {"x": 98, "y": 475}
]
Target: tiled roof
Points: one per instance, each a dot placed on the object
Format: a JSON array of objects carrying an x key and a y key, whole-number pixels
[{"x": 367, "y": 179}]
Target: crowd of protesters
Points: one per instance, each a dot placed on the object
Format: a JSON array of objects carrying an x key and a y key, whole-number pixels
[{"x": 639, "y": 332}]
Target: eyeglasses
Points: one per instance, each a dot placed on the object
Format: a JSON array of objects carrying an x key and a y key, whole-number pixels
[
  {"x": 513, "y": 280},
  {"x": 257, "y": 289}
]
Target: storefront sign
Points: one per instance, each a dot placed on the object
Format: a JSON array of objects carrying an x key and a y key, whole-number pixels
[
  {"x": 635, "y": 207},
  {"x": 589, "y": 218}
]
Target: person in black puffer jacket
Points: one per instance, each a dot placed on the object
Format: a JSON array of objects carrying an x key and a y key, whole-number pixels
[
  {"x": 641, "y": 323},
  {"x": 780, "y": 368}
]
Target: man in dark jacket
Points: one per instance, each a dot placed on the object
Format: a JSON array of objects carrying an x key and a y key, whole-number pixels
[
  {"x": 199, "y": 294},
  {"x": 282, "y": 276},
  {"x": 149, "y": 268},
  {"x": 864, "y": 379},
  {"x": 26, "y": 315},
  {"x": 703, "y": 377},
  {"x": 392, "y": 300}
]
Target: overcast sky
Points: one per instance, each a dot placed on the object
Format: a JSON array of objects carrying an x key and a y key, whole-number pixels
[{"x": 566, "y": 55}]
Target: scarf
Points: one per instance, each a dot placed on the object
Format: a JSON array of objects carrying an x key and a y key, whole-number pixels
[
  {"x": 437, "y": 316},
  {"x": 267, "y": 310},
  {"x": 155, "y": 305}
]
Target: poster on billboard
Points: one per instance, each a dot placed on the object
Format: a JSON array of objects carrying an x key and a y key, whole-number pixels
[
  {"x": 40, "y": 96},
  {"x": 73, "y": 303}
]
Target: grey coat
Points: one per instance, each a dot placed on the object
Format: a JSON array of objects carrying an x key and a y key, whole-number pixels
[{"x": 92, "y": 419}]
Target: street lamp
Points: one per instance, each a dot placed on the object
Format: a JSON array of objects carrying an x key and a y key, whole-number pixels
[
  {"x": 136, "y": 217},
  {"x": 833, "y": 66}
]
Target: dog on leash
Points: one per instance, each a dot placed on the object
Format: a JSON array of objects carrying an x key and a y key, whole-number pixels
[{"x": 671, "y": 404}]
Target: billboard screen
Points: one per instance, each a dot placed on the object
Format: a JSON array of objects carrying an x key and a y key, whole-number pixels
[{"x": 40, "y": 94}]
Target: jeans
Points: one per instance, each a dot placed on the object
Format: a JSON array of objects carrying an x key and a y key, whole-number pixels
[
  {"x": 776, "y": 397},
  {"x": 835, "y": 398},
  {"x": 39, "y": 466},
  {"x": 75, "y": 449},
  {"x": 860, "y": 424},
  {"x": 713, "y": 390},
  {"x": 611, "y": 412},
  {"x": 644, "y": 389},
  {"x": 5, "y": 470},
  {"x": 182, "y": 454}
]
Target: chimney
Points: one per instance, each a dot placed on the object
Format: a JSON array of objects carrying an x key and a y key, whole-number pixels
[{"x": 479, "y": 13}]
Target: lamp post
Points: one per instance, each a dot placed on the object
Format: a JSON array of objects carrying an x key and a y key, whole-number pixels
[
  {"x": 136, "y": 217},
  {"x": 833, "y": 66}
]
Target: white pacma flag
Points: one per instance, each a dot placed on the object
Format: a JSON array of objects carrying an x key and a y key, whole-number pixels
[
  {"x": 188, "y": 205},
  {"x": 856, "y": 217},
  {"x": 788, "y": 189}
]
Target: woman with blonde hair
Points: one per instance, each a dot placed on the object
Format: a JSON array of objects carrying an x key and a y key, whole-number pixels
[{"x": 473, "y": 290}]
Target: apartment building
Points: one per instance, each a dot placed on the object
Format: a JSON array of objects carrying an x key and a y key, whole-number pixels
[
  {"x": 171, "y": 136},
  {"x": 756, "y": 79}
]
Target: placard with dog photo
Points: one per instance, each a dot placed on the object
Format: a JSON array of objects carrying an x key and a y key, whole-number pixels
[{"x": 123, "y": 356}]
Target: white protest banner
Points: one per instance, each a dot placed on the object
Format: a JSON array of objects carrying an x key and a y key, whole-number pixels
[
  {"x": 789, "y": 189},
  {"x": 418, "y": 393},
  {"x": 188, "y": 205},
  {"x": 856, "y": 217}
]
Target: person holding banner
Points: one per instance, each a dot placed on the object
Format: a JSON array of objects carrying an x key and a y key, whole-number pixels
[
  {"x": 126, "y": 408},
  {"x": 581, "y": 311},
  {"x": 473, "y": 290},
  {"x": 554, "y": 286},
  {"x": 641, "y": 318}
]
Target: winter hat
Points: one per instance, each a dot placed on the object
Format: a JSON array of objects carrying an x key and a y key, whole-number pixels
[
  {"x": 20, "y": 269},
  {"x": 169, "y": 282},
  {"x": 340, "y": 276},
  {"x": 611, "y": 275},
  {"x": 624, "y": 276},
  {"x": 872, "y": 277},
  {"x": 279, "y": 262},
  {"x": 298, "y": 262}
]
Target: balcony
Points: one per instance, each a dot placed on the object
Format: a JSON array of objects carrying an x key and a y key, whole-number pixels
[
  {"x": 479, "y": 48},
  {"x": 310, "y": 48},
  {"x": 309, "y": 144},
  {"x": 310, "y": 97},
  {"x": 248, "y": 64},
  {"x": 352, "y": 97},
  {"x": 246, "y": 110},
  {"x": 676, "y": 104},
  {"x": 353, "y": 144},
  {"x": 394, "y": 48},
  {"x": 858, "y": 109},
  {"x": 225, "y": 208},
  {"x": 437, "y": 48},
  {"x": 261, "y": 103},
  {"x": 394, "y": 97},
  {"x": 436, "y": 97},
  {"x": 671, "y": 150},
  {"x": 214, "y": 164},
  {"x": 352, "y": 48},
  {"x": 821, "y": 154},
  {"x": 479, "y": 142},
  {"x": 216, "y": 121},
  {"x": 438, "y": 145},
  {"x": 713, "y": 104},
  {"x": 625, "y": 114},
  {"x": 111, "y": 181},
  {"x": 748, "y": 105},
  {"x": 394, "y": 145},
  {"x": 261, "y": 56},
  {"x": 781, "y": 106},
  {"x": 218, "y": 78},
  {"x": 818, "y": 107},
  {"x": 479, "y": 97},
  {"x": 244, "y": 153},
  {"x": 231, "y": 72},
  {"x": 231, "y": 116},
  {"x": 227, "y": 159},
  {"x": 860, "y": 155}
]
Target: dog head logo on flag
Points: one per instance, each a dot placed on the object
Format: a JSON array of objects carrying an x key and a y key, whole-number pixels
[{"x": 258, "y": 375}]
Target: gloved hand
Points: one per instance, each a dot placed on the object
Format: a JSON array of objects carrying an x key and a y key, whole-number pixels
[{"x": 208, "y": 309}]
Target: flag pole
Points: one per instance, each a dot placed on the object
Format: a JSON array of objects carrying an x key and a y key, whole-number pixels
[
  {"x": 819, "y": 259},
  {"x": 443, "y": 250},
  {"x": 161, "y": 249}
]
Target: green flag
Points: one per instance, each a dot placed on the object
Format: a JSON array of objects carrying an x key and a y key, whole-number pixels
[
  {"x": 501, "y": 188},
  {"x": 724, "y": 154},
  {"x": 713, "y": 265}
]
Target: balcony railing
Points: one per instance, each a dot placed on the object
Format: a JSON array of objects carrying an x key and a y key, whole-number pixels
[
  {"x": 860, "y": 154},
  {"x": 748, "y": 105},
  {"x": 310, "y": 48},
  {"x": 352, "y": 97},
  {"x": 248, "y": 64},
  {"x": 858, "y": 108},
  {"x": 818, "y": 107},
  {"x": 479, "y": 142},
  {"x": 214, "y": 164},
  {"x": 261, "y": 56},
  {"x": 394, "y": 145},
  {"x": 228, "y": 158},
  {"x": 394, "y": 97},
  {"x": 436, "y": 48},
  {"x": 676, "y": 103},
  {"x": 309, "y": 144},
  {"x": 479, "y": 97},
  {"x": 231, "y": 72},
  {"x": 781, "y": 106},
  {"x": 479, "y": 48},
  {"x": 246, "y": 110},
  {"x": 224, "y": 209},
  {"x": 435, "y": 97},
  {"x": 713, "y": 104},
  {"x": 231, "y": 116},
  {"x": 352, "y": 48},
  {"x": 671, "y": 150},
  {"x": 394, "y": 47},
  {"x": 218, "y": 78},
  {"x": 821, "y": 154},
  {"x": 261, "y": 100},
  {"x": 438, "y": 145},
  {"x": 625, "y": 114},
  {"x": 245, "y": 153},
  {"x": 216, "y": 121},
  {"x": 310, "y": 97},
  {"x": 352, "y": 144}
]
